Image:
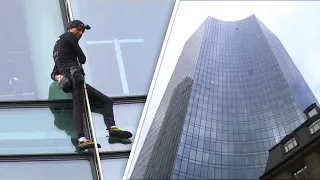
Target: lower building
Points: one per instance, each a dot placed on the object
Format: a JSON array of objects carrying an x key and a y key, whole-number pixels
[{"x": 297, "y": 156}]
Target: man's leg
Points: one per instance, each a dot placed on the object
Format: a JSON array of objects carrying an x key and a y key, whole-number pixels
[
  {"x": 97, "y": 96},
  {"x": 78, "y": 110}
]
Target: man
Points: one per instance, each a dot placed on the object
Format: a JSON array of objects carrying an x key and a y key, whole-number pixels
[{"x": 67, "y": 55}]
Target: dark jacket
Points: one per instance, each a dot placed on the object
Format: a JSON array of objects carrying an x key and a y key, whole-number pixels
[
  {"x": 55, "y": 72},
  {"x": 67, "y": 52}
]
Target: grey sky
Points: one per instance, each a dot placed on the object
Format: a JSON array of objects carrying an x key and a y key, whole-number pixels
[{"x": 295, "y": 23}]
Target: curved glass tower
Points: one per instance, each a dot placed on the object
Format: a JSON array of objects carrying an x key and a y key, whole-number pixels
[{"x": 235, "y": 92}]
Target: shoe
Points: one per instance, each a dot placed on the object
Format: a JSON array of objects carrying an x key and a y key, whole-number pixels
[
  {"x": 117, "y": 132},
  {"x": 82, "y": 145}
]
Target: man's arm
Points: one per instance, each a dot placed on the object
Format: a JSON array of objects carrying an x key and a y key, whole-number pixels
[
  {"x": 72, "y": 39},
  {"x": 54, "y": 73}
]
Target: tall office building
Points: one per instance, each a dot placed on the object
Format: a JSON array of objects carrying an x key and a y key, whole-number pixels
[
  {"x": 38, "y": 137},
  {"x": 243, "y": 95}
]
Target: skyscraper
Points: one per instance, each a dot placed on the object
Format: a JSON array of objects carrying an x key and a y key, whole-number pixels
[{"x": 243, "y": 95}]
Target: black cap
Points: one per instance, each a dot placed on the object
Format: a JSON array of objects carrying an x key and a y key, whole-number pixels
[{"x": 76, "y": 24}]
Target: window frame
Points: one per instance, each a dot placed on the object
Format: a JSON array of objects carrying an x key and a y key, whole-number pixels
[
  {"x": 300, "y": 170},
  {"x": 286, "y": 145},
  {"x": 311, "y": 127},
  {"x": 133, "y": 99},
  {"x": 313, "y": 110}
]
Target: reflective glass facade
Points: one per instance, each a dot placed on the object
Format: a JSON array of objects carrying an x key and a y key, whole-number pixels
[
  {"x": 124, "y": 43},
  {"x": 246, "y": 94},
  {"x": 37, "y": 130}
]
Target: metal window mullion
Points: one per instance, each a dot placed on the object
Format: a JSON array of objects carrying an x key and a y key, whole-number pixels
[
  {"x": 92, "y": 134},
  {"x": 69, "y": 10}
]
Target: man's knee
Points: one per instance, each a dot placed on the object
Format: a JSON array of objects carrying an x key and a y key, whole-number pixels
[{"x": 107, "y": 100}]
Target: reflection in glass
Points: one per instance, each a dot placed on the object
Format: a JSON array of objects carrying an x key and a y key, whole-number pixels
[
  {"x": 51, "y": 130},
  {"x": 48, "y": 170},
  {"x": 26, "y": 48},
  {"x": 36, "y": 131},
  {"x": 56, "y": 93},
  {"x": 127, "y": 116},
  {"x": 114, "y": 168},
  {"x": 125, "y": 45}
]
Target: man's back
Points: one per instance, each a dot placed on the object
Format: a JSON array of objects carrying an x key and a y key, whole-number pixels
[{"x": 67, "y": 51}]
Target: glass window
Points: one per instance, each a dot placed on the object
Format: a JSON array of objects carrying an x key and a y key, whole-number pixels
[
  {"x": 184, "y": 166},
  {"x": 190, "y": 169},
  {"x": 290, "y": 144},
  {"x": 130, "y": 34},
  {"x": 315, "y": 126},
  {"x": 56, "y": 93},
  {"x": 127, "y": 117},
  {"x": 48, "y": 170},
  {"x": 313, "y": 112},
  {"x": 26, "y": 50},
  {"x": 46, "y": 130},
  {"x": 301, "y": 173},
  {"x": 114, "y": 168},
  {"x": 37, "y": 131}
]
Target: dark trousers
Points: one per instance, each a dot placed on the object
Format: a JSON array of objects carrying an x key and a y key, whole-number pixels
[{"x": 79, "y": 106}]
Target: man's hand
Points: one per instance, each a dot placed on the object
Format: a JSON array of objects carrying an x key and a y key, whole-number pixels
[{"x": 58, "y": 77}]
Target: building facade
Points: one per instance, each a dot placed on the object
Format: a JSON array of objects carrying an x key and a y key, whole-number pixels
[
  {"x": 245, "y": 96},
  {"x": 297, "y": 156},
  {"x": 37, "y": 133}
]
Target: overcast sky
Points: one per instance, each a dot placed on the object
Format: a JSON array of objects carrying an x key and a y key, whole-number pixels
[{"x": 295, "y": 23}]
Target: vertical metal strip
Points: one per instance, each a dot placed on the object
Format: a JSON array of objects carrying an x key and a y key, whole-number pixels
[
  {"x": 134, "y": 151},
  {"x": 93, "y": 134},
  {"x": 91, "y": 125},
  {"x": 69, "y": 10},
  {"x": 122, "y": 70}
]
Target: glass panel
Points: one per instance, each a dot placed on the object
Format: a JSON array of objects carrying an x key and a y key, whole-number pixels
[
  {"x": 45, "y": 130},
  {"x": 130, "y": 34},
  {"x": 314, "y": 127},
  {"x": 26, "y": 50},
  {"x": 37, "y": 131},
  {"x": 290, "y": 146},
  {"x": 315, "y": 122},
  {"x": 127, "y": 116},
  {"x": 313, "y": 112},
  {"x": 114, "y": 168},
  {"x": 289, "y": 141},
  {"x": 48, "y": 170},
  {"x": 56, "y": 93},
  {"x": 311, "y": 130}
]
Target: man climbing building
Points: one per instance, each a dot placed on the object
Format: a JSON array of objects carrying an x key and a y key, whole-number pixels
[{"x": 68, "y": 56}]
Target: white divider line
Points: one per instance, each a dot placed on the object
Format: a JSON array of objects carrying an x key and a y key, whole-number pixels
[{"x": 133, "y": 157}]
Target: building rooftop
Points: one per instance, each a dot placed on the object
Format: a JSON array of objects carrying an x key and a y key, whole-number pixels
[{"x": 278, "y": 156}]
